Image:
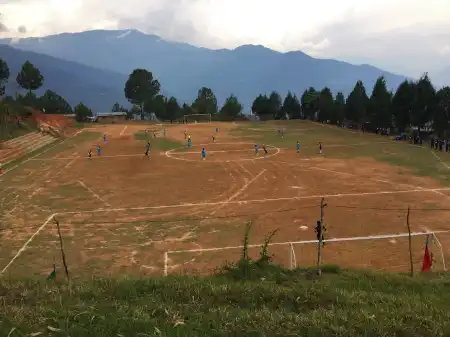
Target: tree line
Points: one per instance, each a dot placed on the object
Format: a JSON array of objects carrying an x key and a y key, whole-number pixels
[
  {"x": 30, "y": 79},
  {"x": 414, "y": 103},
  {"x": 144, "y": 92}
]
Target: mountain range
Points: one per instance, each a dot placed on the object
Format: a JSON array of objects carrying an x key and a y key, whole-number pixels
[
  {"x": 75, "y": 82},
  {"x": 81, "y": 66}
]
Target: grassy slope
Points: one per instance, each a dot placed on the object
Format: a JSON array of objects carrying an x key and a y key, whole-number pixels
[
  {"x": 54, "y": 148},
  {"x": 275, "y": 302},
  {"x": 381, "y": 148},
  {"x": 14, "y": 131}
]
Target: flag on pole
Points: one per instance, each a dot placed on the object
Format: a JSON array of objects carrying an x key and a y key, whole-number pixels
[{"x": 427, "y": 261}]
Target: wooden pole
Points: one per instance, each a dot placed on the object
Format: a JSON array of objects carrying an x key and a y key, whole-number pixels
[
  {"x": 320, "y": 241},
  {"x": 63, "y": 255},
  {"x": 410, "y": 244}
]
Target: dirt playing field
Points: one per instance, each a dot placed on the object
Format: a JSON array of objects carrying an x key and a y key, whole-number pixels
[{"x": 124, "y": 214}]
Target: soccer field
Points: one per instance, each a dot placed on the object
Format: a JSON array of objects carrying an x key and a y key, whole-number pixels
[{"x": 121, "y": 214}]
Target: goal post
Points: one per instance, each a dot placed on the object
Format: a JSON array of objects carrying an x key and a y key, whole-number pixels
[
  {"x": 392, "y": 247},
  {"x": 197, "y": 118}
]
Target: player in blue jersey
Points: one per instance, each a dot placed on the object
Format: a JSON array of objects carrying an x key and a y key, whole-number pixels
[
  {"x": 217, "y": 130},
  {"x": 99, "y": 151},
  {"x": 298, "y": 147},
  {"x": 189, "y": 143},
  {"x": 256, "y": 150},
  {"x": 104, "y": 138},
  {"x": 203, "y": 154}
]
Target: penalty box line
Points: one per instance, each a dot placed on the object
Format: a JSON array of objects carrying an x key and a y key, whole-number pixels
[
  {"x": 233, "y": 202},
  {"x": 243, "y": 202}
]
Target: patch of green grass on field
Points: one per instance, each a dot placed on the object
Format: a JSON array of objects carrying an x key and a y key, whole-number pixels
[
  {"x": 272, "y": 302},
  {"x": 159, "y": 143},
  {"x": 343, "y": 143},
  {"x": 307, "y": 133}
]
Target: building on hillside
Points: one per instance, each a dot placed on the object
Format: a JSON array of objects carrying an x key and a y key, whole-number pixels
[
  {"x": 110, "y": 117},
  {"x": 147, "y": 116}
]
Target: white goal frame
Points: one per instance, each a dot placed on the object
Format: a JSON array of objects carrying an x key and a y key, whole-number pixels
[
  {"x": 193, "y": 115},
  {"x": 292, "y": 258}
]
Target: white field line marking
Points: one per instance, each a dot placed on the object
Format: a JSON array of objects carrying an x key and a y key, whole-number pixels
[
  {"x": 121, "y": 133},
  {"x": 21, "y": 250},
  {"x": 40, "y": 153},
  {"x": 101, "y": 157},
  {"x": 212, "y": 151},
  {"x": 94, "y": 194},
  {"x": 172, "y": 153},
  {"x": 67, "y": 166},
  {"x": 377, "y": 180},
  {"x": 247, "y": 171},
  {"x": 235, "y": 195},
  {"x": 243, "y": 202},
  {"x": 439, "y": 158},
  {"x": 355, "y": 238},
  {"x": 355, "y": 175},
  {"x": 37, "y": 190},
  {"x": 346, "y": 145},
  {"x": 169, "y": 154}
]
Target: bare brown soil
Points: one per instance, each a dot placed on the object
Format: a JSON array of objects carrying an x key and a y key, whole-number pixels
[{"x": 120, "y": 213}]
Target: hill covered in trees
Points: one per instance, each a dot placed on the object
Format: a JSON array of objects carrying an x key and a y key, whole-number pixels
[
  {"x": 75, "y": 82},
  {"x": 245, "y": 71}
]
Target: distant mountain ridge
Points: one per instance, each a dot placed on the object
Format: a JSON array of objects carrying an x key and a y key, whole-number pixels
[
  {"x": 182, "y": 68},
  {"x": 97, "y": 88}
]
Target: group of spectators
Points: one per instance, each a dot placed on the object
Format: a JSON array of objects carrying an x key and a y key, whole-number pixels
[{"x": 442, "y": 145}]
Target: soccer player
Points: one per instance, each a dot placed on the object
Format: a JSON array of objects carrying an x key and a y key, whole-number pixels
[
  {"x": 298, "y": 147},
  {"x": 154, "y": 134},
  {"x": 214, "y": 138},
  {"x": 265, "y": 151},
  {"x": 147, "y": 150},
  {"x": 282, "y": 133},
  {"x": 189, "y": 138},
  {"x": 90, "y": 154},
  {"x": 217, "y": 130},
  {"x": 99, "y": 151},
  {"x": 104, "y": 138},
  {"x": 185, "y": 134},
  {"x": 164, "y": 132},
  {"x": 320, "y": 147},
  {"x": 189, "y": 143},
  {"x": 256, "y": 150},
  {"x": 203, "y": 154}
]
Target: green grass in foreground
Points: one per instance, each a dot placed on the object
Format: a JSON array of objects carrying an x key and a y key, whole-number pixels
[
  {"x": 263, "y": 302},
  {"x": 159, "y": 143}
]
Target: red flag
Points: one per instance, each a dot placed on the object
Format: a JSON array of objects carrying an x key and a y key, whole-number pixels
[{"x": 427, "y": 261}]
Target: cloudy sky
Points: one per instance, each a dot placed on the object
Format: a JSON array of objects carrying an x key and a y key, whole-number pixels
[{"x": 405, "y": 36}]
